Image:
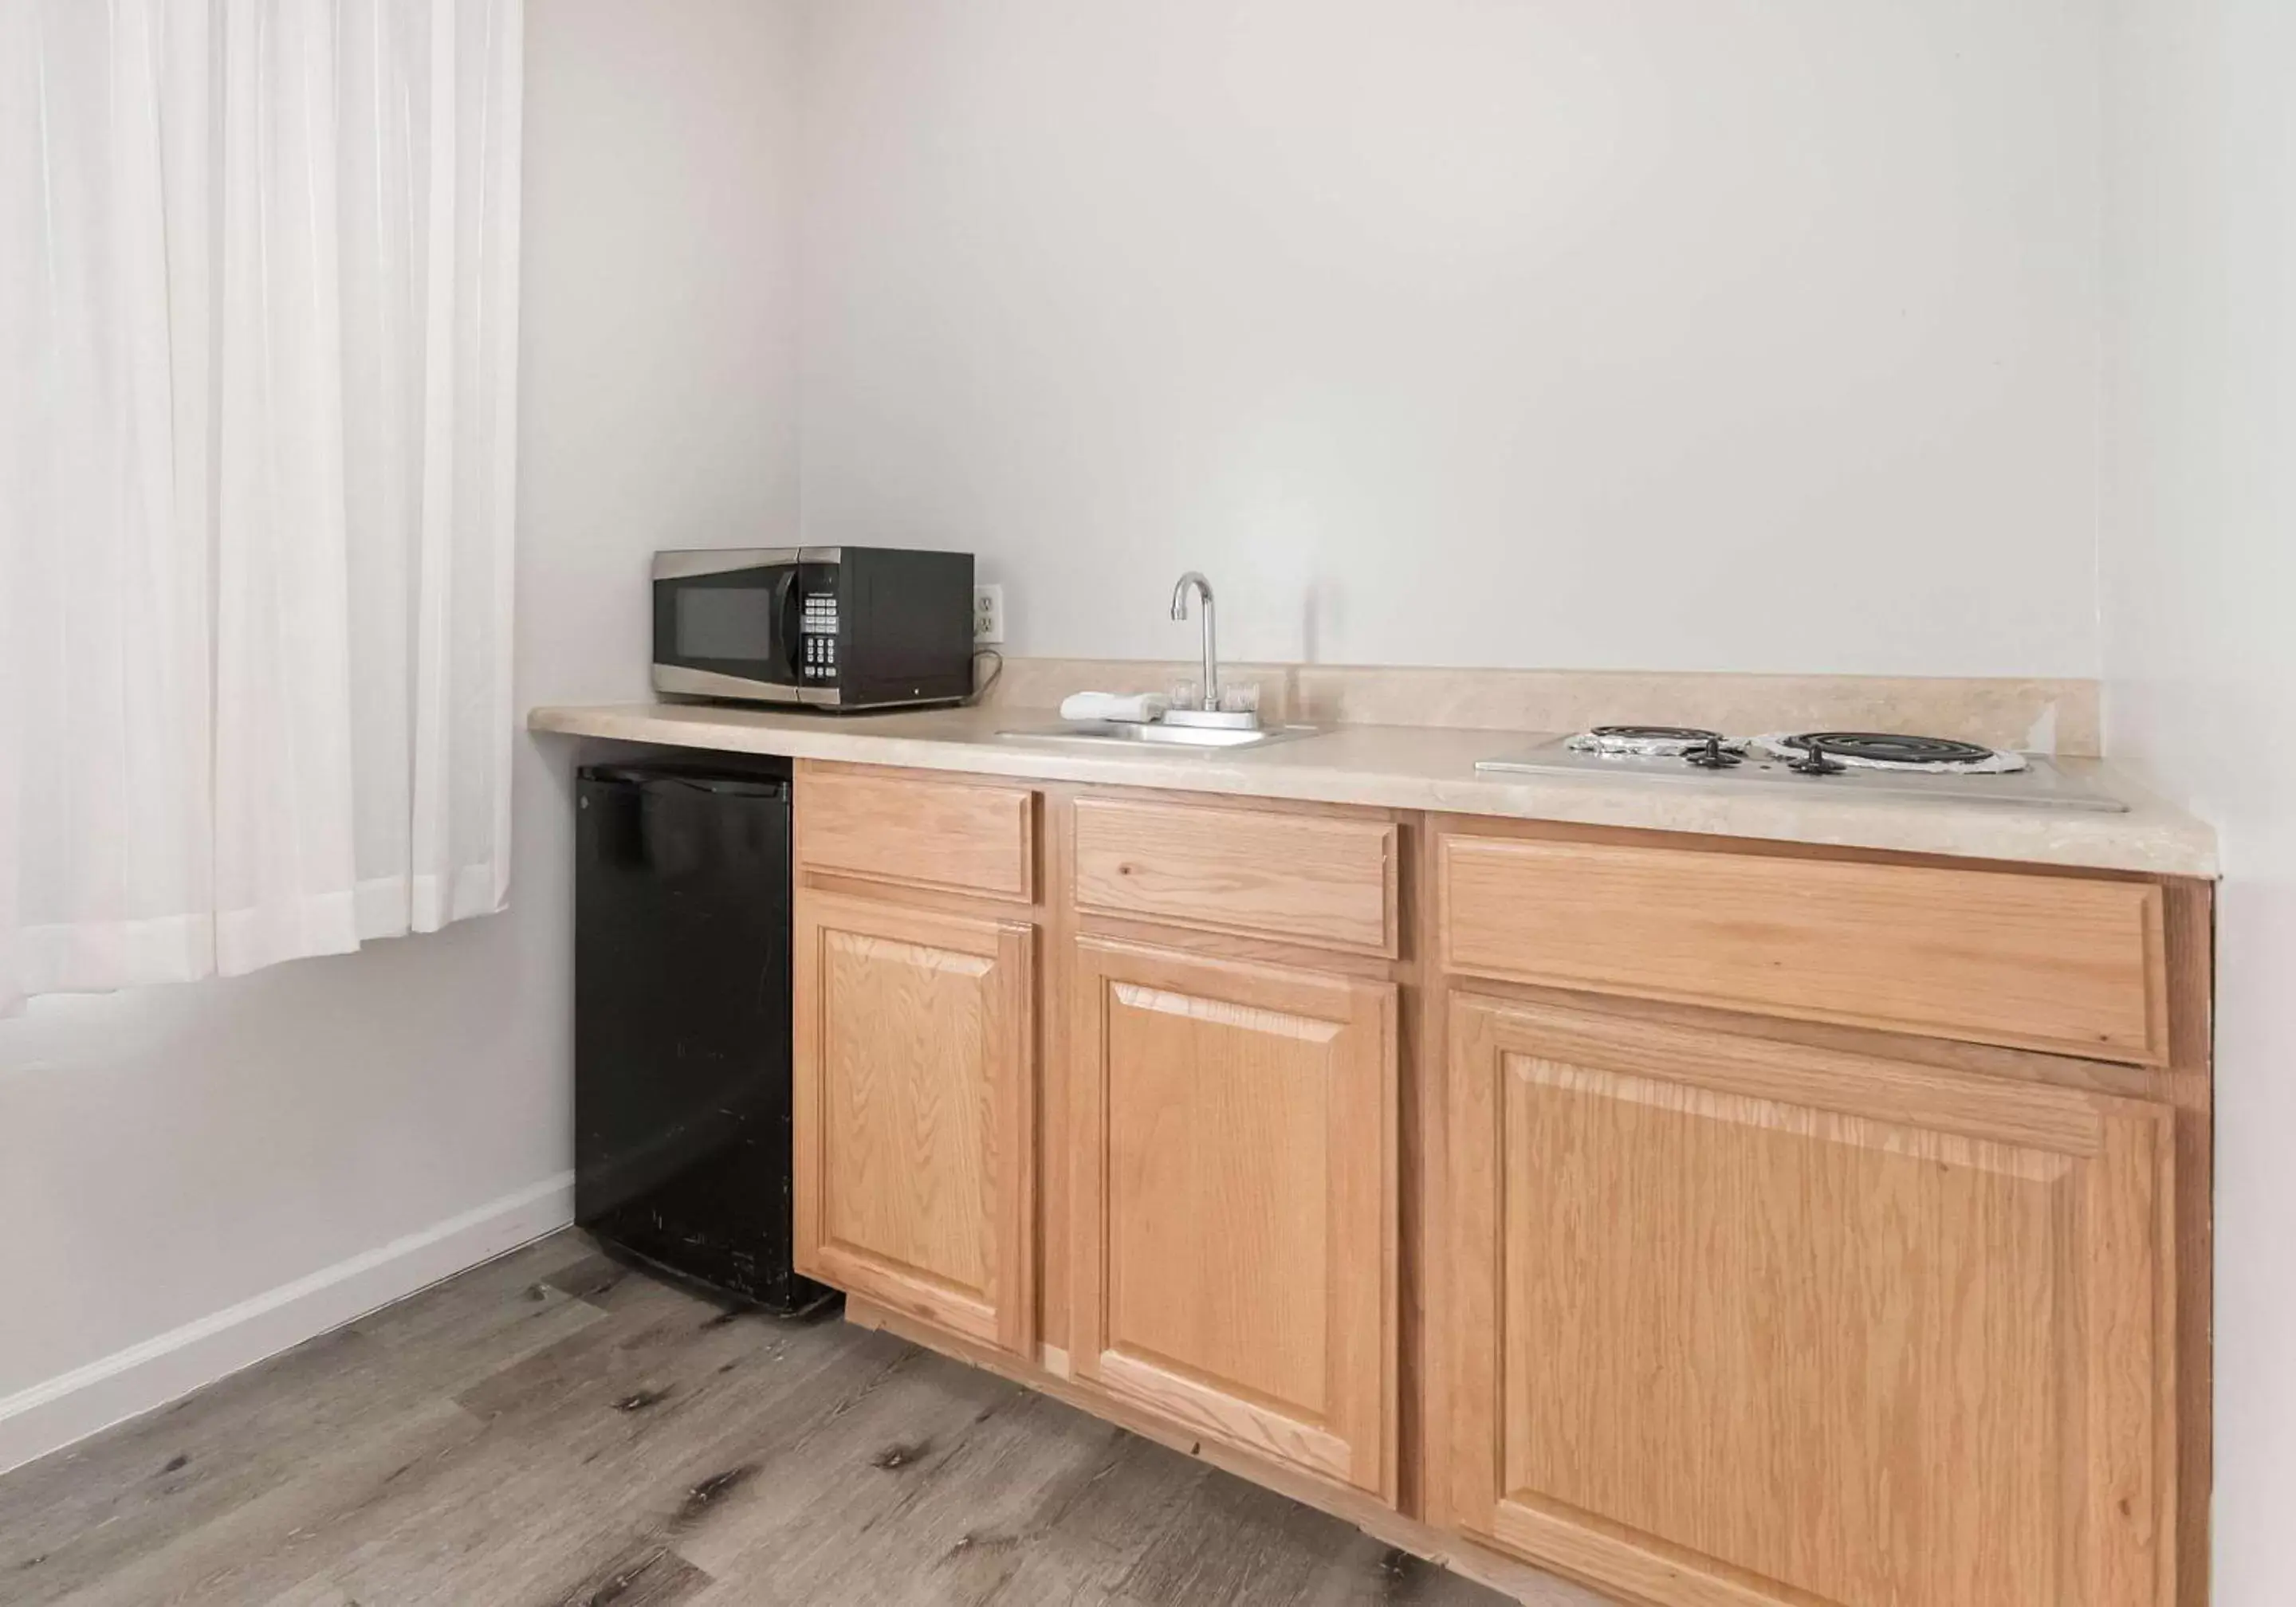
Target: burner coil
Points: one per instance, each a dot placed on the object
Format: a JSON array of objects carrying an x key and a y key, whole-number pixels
[{"x": 1892, "y": 751}]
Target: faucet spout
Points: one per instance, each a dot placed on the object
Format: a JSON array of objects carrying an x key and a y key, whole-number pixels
[{"x": 1194, "y": 579}]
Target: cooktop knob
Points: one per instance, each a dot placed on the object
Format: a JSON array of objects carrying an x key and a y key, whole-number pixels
[{"x": 1813, "y": 760}]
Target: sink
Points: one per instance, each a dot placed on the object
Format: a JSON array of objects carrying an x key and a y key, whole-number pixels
[{"x": 1123, "y": 733}]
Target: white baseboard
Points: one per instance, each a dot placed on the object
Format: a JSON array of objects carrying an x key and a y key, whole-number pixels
[{"x": 70, "y": 1407}]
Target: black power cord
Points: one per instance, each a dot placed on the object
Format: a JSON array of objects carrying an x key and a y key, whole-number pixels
[{"x": 995, "y": 673}]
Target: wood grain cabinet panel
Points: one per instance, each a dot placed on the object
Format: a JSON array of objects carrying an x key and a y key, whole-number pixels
[
  {"x": 950, "y": 835},
  {"x": 1311, "y": 879},
  {"x": 914, "y": 1112},
  {"x": 2059, "y": 963},
  {"x": 1235, "y": 1195},
  {"x": 1736, "y": 1324}
]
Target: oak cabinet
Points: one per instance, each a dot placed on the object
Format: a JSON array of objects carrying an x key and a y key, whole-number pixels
[
  {"x": 1234, "y": 1197},
  {"x": 971, "y": 838},
  {"x": 1739, "y": 1231},
  {"x": 2062, "y": 965},
  {"x": 1750, "y": 1323},
  {"x": 913, "y": 1104},
  {"x": 1306, "y": 879}
]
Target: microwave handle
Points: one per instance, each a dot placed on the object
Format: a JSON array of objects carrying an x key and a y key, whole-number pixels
[{"x": 786, "y": 606}]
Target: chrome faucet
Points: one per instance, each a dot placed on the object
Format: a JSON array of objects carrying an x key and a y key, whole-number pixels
[{"x": 1211, "y": 689}]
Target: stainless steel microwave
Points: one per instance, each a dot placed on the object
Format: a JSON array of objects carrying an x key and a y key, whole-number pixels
[{"x": 840, "y": 628}]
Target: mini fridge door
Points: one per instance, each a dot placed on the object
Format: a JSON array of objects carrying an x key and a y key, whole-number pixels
[{"x": 682, "y": 1023}]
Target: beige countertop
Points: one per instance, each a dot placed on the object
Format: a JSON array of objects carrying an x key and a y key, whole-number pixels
[{"x": 1433, "y": 767}]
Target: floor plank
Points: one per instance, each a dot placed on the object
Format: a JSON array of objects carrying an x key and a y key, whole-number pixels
[
  {"x": 552, "y": 1430},
  {"x": 89, "y": 1510}
]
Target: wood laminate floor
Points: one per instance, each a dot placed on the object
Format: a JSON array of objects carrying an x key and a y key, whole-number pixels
[{"x": 551, "y": 1429}]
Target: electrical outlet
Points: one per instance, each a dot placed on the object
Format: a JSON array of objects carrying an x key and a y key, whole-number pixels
[{"x": 987, "y": 615}]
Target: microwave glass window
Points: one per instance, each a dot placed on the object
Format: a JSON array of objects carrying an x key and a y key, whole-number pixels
[{"x": 725, "y": 622}]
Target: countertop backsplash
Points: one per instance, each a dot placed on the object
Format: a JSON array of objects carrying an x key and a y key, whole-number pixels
[{"x": 2029, "y": 715}]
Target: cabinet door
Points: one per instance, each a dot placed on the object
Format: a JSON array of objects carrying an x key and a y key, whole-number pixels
[
  {"x": 1234, "y": 1191},
  {"x": 1738, "y": 1321},
  {"x": 913, "y": 1109}
]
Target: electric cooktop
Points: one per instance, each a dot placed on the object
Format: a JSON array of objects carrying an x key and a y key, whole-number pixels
[{"x": 1861, "y": 764}]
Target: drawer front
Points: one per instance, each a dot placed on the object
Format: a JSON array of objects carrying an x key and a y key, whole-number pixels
[
  {"x": 1300, "y": 878},
  {"x": 2055, "y": 963},
  {"x": 961, "y": 836}
]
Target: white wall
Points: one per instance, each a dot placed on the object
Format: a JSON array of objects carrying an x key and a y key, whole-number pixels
[
  {"x": 2200, "y": 570},
  {"x": 166, "y": 1155},
  {"x": 1429, "y": 327}
]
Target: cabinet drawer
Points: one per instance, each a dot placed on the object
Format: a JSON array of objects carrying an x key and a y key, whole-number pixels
[
  {"x": 1305, "y": 878},
  {"x": 964, "y": 836},
  {"x": 2050, "y": 962}
]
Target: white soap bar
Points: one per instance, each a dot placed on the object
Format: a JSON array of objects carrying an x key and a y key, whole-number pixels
[{"x": 1133, "y": 709}]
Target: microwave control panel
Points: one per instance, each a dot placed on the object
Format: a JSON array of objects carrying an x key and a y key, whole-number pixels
[{"x": 817, "y": 637}]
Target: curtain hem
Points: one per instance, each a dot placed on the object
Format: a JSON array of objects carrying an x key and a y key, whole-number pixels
[
  {"x": 397, "y": 906},
  {"x": 106, "y": 957},
  {"x": 98, "y": 956}
]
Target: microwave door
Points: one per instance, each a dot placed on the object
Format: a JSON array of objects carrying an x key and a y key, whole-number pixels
[{"x": 730, "y": 632}]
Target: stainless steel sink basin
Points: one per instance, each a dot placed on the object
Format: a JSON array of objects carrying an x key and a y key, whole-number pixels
[{"x": 1118, "y": 733}]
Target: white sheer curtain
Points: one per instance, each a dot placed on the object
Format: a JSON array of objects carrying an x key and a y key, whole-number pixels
[{"x": 259, "y": 270}]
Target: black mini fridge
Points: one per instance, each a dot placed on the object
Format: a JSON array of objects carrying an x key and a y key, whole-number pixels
[{"x": 682, "y": 1022}]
